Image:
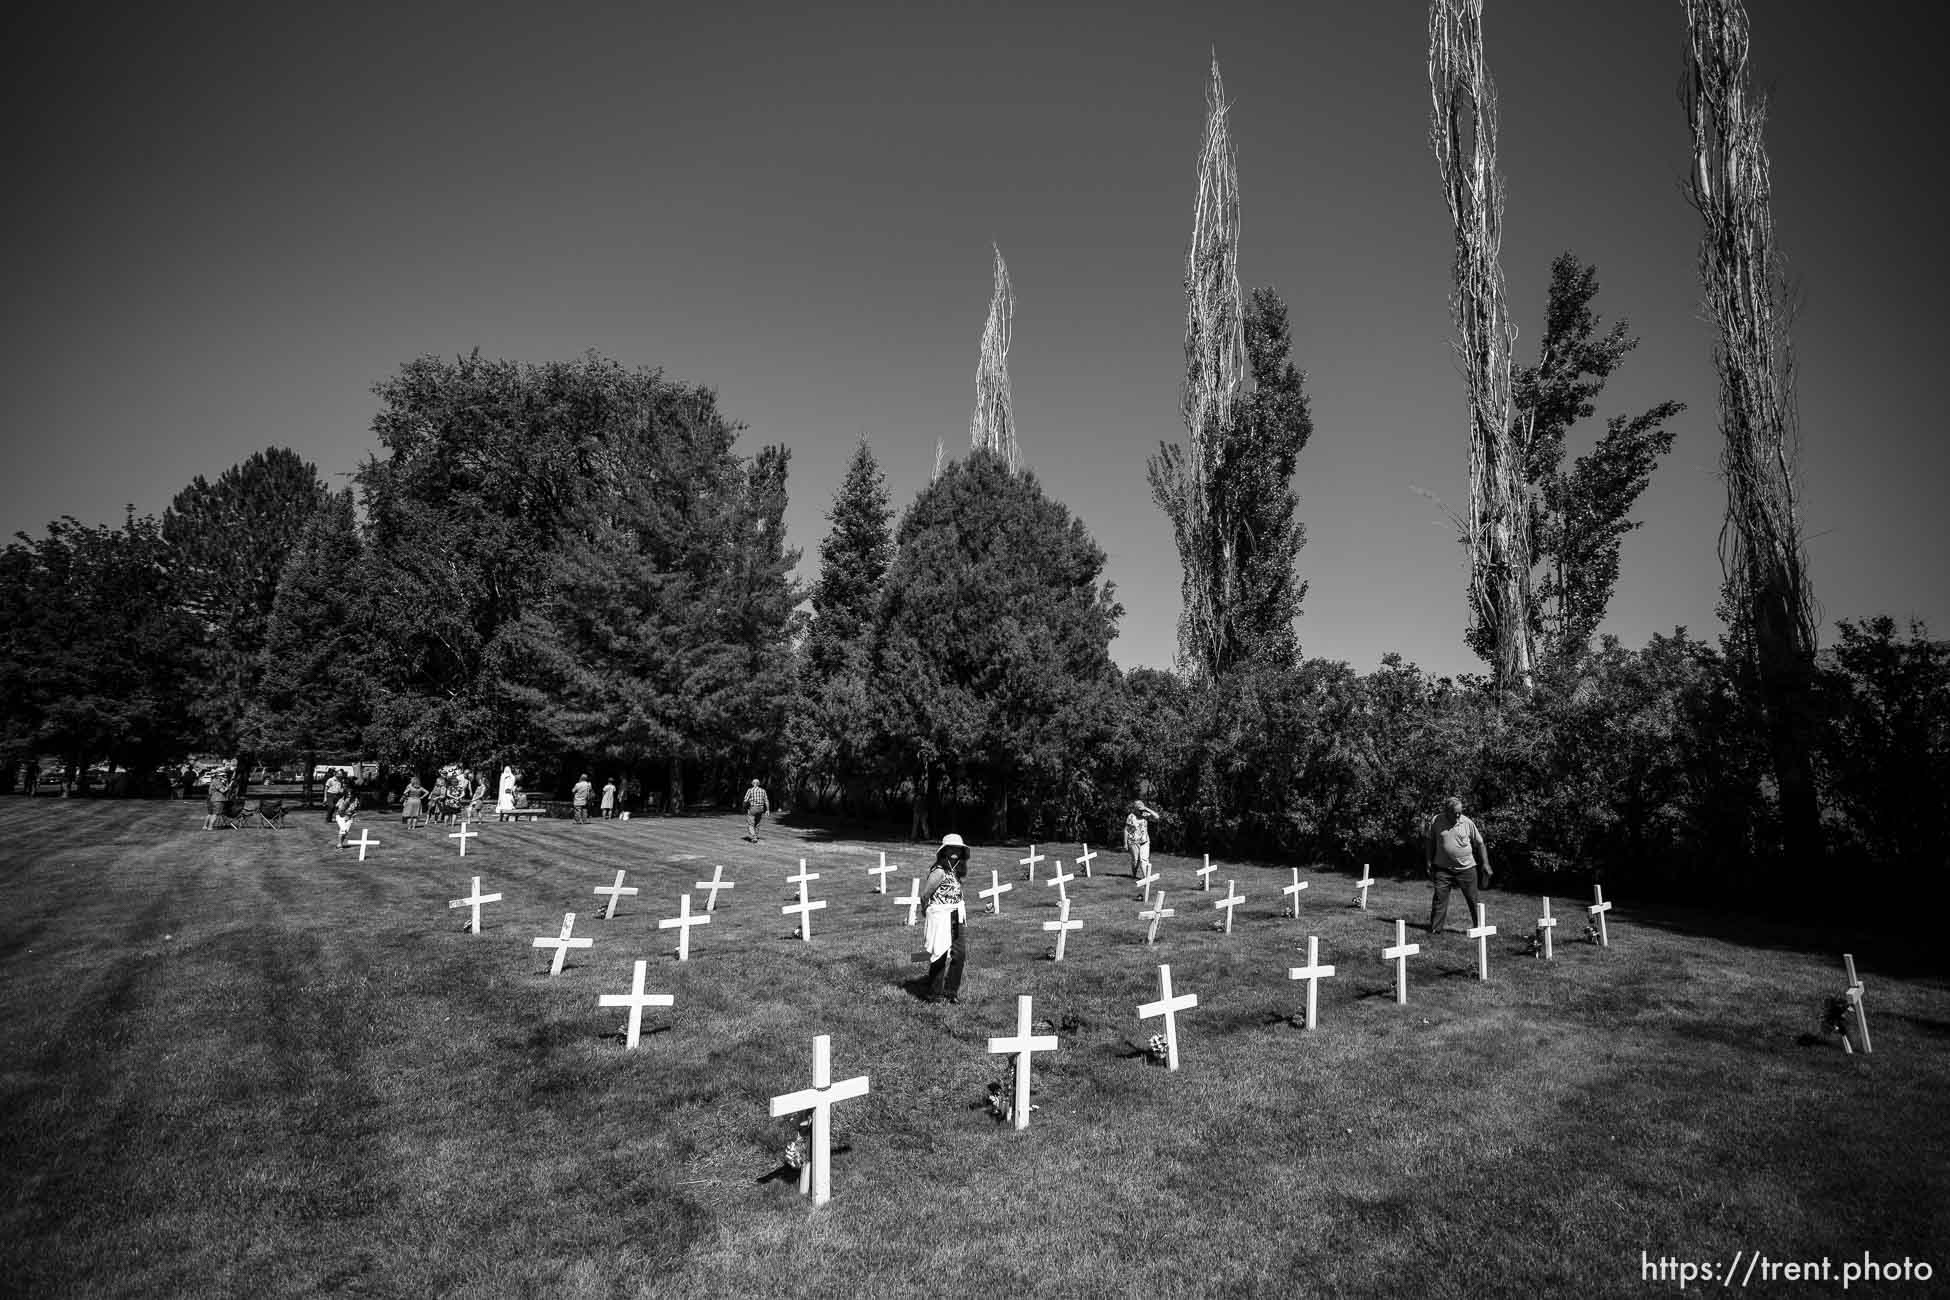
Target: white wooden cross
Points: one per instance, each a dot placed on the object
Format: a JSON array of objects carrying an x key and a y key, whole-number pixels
[
  {"x": 1155, "y": 915},
  {"x": 1030, "y": 862},
  {"x": 365, "y": 841},
  {"x": 1063, "y": 927},
  {"x": 819, "y": 1099},
  {"x": 1399, "y": 954},
  {"x": 879, "y": 873},
  {"x": 682, "y": 923},
  {"x": 1022, "y": 1045},
  {"x": 1204, "y": 873},
  {"x": 1547, "y": 923},
  {"x": 1293, "y": 892},
  {"x": 714, "y": 884},
  {"x": 1481, "y": 933},
  {"x": 1365, "y": 883},
  {"x": 994, "y": 892},
  {"x": 805, "y": 907},
  {"x": 1854, "y": 995},
  {"x": 1313, "y": 972},
  {"x": 1148, "y": 879},
  {"x": 912, "y": 899},
  {"x": 1168, "y": 1007},
  {"x": 1598, "y": 908},
  {"x": 463, "y": 835},
  {"x": 1061, "y": 881},
  {"x": 1084, "y": 859},
  {"x": 615, "y": 892},
  {"x": 564, "y": 943},
  {"x": 475, "y": 900},
  {"x": 636, "y": 1000},
  {"x": 1232, "y": 899}
]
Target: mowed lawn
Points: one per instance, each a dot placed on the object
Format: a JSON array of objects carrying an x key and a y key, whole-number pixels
[{"x": 245, "y": 1063}]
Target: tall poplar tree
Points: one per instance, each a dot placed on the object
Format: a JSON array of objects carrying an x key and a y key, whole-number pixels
[
  {"x": 993, "y": 425},
  {"x": 1767, "y": 596},
  {"x": 1463, "y": 132},
  {"x": 1228, "y": 490}
]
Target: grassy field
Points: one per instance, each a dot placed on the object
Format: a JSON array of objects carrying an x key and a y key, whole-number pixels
[{"x": 244, "y": 1063}]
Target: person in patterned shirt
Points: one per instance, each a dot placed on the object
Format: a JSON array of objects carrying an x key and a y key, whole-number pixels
[{"x": 946, "y": 933}]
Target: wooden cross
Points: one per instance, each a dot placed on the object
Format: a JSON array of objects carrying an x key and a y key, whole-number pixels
[
  {"x": 805, "y": 907},
  {"x": 1063, "y": 928},
  {"x": 1022, "y": 1045},
  {"x": 1061, "y": 881},
  {"x": 615, "y": 892},
  {"x": 1155, "y": 915},
  {"x": 1168, "y": 1007},
  {"x": 995, "y": 891},
  {"x": 365, "y": 841},
  {"x": 683, "y": 922},
  {"x": 1148, "y": 879},
  {"x": 1232, "y": 899},
  {"x": 563, "y": 944},
  {"x": 1294, "y": 890},
  {"x": 1204, "y": 873},
  {"x": 463, "y": 835},
  {"x": 912, "y": 899},
  {"x": 1481, "y": 933},
  {"x": 1854, "y": 995},
  {"x": 1598, "y": 908},
  {"x": 714, "y": 884},
  {"x": 819, "y": 1099},
  {"x": 879, "y": 874},
  {"x": 1030, "y": 862},
  {"x": 1084, "y": 859},
  {"x": 1399, "y": 954},
  {"x": 802, "y": 879},
  {"x": 1313, "y": 972},
  {"x": 636, "y": 1000},
  {"x": 1546, "y": 923},
  {"x": 475, "y": 900},
  {"x": 1365, "y": 883}
]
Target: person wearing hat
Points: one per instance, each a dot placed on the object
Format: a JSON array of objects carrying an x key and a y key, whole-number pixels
[
  {"x": 945, "y": 936},
  {"x": 1137, "y": 838}
]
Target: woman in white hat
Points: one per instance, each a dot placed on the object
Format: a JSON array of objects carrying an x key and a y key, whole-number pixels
[{"x": 945, "y": 938}]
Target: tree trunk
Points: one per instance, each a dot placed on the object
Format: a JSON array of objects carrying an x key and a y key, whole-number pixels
[{"x": 675, "y": 794}]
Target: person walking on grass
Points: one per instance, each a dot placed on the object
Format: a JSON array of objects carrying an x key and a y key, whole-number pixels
[
  {"x": 1137, "y": 838},
  {"x": 342, "y": 814},
  {"x": 412, "y": 806},
  {"x": 609, "y": 798},
  {"x": 945, "y": 934},
  {"x": 1456, "y": 857},
  {"x": 579, "y": 797},
  {"x": 756, "y": 806},
  {"x": 334, "y": 787}
]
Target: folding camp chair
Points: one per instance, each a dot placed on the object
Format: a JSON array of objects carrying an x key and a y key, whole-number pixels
[
  {"x": 236, "y": 813},
  {"x": 267, "y": 812}
]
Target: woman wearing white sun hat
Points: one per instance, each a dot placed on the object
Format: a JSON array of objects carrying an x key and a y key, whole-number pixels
[
  {"x": 945, "y": 933},
  {"x": 1137, "y": 837}
]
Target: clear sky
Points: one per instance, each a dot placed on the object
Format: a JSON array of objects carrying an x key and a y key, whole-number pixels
[{"x": 225, "y": 223}]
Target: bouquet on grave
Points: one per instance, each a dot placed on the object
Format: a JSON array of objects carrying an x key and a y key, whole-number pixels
[{"x": 1835, "y": 1014}]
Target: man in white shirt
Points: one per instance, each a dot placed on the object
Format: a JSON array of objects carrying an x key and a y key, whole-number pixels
[{"x": 1456, "y": 854}]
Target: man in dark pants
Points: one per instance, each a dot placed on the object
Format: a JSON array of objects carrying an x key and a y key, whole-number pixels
[{"x": 1456, "y": 854}]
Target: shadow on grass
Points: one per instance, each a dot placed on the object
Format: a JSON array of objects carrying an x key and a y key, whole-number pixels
[{"x": 1882, "y": 950}]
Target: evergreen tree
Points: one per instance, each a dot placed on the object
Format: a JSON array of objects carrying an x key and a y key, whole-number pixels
[
  {"x": 229, "y": 542},
  {"x": 319, "y": 648},
  {"x": 992, "y": 667},
  {"x": 828, "y": 746},
  {"x": 1578, "y": 518}
]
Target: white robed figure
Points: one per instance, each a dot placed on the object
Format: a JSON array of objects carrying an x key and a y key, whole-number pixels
[{"x": 506, "y": 803}]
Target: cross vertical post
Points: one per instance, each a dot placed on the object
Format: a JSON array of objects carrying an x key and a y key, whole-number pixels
[
  {"x": 1547, "y": 923},
  {"x": 1365, "y": 883},
  {"x": 1854, "y": 995},
  {"x": 682, "y": 923},
  {"x": 1168, "y": 1007},
  {"x": 1030, "y": 862},
  {"x": 995, "y": 891},
  {"x": 475, "y": 900},
  {"x": 1021, "y": 1046},
  {"x": 1399, "y": 954},
  {"x": 615, "y": 892},
  {"x": 1481, "y": 934},
  {"x": 463, "y": 835},
  {"x": 714, "y": 884},
  {"x": 636, "y": 1000},
  {"x": 1155, "y": 915},
  {"x": 1204, "y": 873},
  {"x": 1313, "y": 972},
  {"x": 1084, "y": 859},
  {"x": 820, "y": 1099},
  {"x": 1293, "y": 893},
  {"x": 1598, "y": 909}
]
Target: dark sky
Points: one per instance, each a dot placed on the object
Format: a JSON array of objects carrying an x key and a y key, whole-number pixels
[{"x": 225, "y": 224}]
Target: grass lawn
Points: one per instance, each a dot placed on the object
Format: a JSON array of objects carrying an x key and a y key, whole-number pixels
[{"x": 244, "y": 1063}]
